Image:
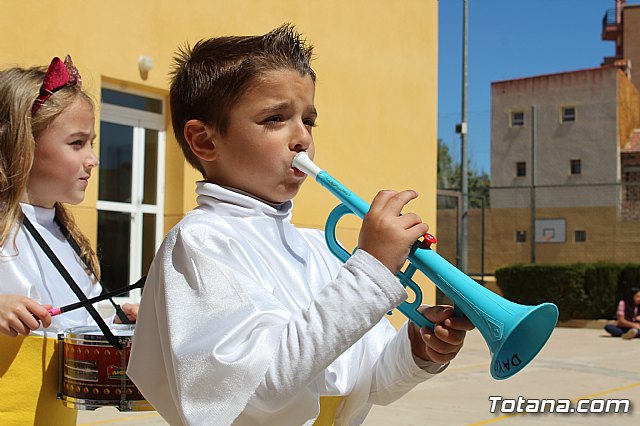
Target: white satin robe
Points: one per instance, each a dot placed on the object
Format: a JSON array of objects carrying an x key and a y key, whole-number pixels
[
  {"x": 27, "y": 271},
  {"x": 247, "y": 320}
]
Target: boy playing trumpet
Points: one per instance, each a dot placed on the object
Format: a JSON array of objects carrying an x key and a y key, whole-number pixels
[{"x": 251, "y": 320}]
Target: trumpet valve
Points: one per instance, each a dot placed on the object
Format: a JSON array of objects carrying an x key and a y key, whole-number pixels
[{"x": 428, "y": 239}]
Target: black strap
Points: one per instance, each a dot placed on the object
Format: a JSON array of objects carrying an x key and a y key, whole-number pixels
[
  {"x": 103, "y": 296},
  {"x": 67, "y": 277},
  {"x": 74, "y": 245}
]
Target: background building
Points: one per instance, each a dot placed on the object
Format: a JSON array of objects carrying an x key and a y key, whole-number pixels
[
  {"x": 556, "y": 162},
  {"x": 376, "y": 94},
  {"x": 565, "y": 164}
]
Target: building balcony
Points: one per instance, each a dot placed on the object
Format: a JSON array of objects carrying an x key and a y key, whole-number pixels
[{"x": 611, "y": 27}]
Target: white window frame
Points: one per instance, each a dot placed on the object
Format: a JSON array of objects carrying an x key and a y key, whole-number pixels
[
  {"x": 564, "y": 118},
  {"x": 512, "y": 119},
  {"x": 139, "y": 120}
]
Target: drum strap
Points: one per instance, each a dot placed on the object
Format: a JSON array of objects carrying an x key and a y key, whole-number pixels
[
  {"x": 67, "y": 277},
  {"x": 74, "y": 245}
]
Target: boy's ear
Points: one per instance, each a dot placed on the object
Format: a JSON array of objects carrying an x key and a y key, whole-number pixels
[{"x": 199, "y": 136}]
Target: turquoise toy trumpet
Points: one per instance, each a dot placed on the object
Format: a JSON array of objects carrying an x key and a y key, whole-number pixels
[{"x": 514, "y": 333}]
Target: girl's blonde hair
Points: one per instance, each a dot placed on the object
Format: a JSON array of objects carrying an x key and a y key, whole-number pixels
[{"x": 19, "y": 132}]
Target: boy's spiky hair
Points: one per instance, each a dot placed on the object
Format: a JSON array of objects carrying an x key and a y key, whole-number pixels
[{"x": 208, "y": 79}]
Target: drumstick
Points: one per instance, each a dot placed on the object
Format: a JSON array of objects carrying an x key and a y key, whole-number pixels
[{"x": 83, "y": 303}]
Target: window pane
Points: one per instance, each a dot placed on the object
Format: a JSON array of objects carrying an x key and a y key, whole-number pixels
[
  {"x": 576, "y": 167},
  {"x": 631, "y": 186},
  {"x": 568, "y": 114},
  {"x": 521, "y": 169},
  {"x": 148, "y": 241},
  {"x": 150, "y": 166},
  {"x": 129, "y": 100},
  {"x": 517, "y": 118},
  {"x": 116, "y": 156},
  {"x": 113, "y": 248}
]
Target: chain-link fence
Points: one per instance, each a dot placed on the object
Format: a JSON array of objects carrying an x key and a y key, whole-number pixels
[{"x": 546, "y": 224}]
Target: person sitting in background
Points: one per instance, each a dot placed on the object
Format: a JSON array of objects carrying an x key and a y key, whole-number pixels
[{"x": 628, "y": 321}]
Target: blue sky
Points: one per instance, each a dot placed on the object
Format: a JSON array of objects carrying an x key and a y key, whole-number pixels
[{"x": 509, "y": 39}]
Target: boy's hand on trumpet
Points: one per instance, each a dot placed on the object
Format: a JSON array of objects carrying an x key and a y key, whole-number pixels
[
  {"x": 387, "y": 234},
  {"x": 445, "y": 341}
]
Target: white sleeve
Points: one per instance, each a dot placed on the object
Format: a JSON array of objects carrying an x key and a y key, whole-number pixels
[
  {"x": 397, "y": 371},
  {"x": 348, "y": 307},
  {"x": 216, "y": 343}
]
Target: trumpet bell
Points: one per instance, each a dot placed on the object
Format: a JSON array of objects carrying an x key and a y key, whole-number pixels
[{"x": 527, "y": 330}]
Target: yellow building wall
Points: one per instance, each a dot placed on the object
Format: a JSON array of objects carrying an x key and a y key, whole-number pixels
[
  {"x": 629, "y": 109},
  {"x": 376, "y": 94}
]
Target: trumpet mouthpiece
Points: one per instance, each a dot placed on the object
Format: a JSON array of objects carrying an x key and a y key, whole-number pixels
[{"x": 303, "y": 163}]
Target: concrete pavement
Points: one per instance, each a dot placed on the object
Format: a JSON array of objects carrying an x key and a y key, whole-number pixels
[{"x": 576, "y": 363}]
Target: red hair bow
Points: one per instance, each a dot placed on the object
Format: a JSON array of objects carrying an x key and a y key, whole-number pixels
[{"x": 59, "y": 74}]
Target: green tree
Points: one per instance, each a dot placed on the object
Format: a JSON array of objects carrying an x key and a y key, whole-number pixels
[{"x": 449, "y": 177}]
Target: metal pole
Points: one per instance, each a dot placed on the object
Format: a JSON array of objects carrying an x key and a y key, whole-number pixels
[
  {"x": 482, "y": 240},
  {"x": 463, "y": 147},
  {"x": 533, "y": 184}
]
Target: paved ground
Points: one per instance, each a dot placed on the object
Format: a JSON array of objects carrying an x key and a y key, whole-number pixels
[{"x": 575, "y": 364}]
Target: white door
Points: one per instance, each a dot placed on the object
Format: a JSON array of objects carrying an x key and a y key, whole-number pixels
[{"x": 131, "y": 187}]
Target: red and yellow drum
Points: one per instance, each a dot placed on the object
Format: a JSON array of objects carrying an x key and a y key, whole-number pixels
[{"x": 93, "y": 372}]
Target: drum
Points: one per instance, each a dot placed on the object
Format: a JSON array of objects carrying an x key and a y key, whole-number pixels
[{"x": 93, "y": 372}]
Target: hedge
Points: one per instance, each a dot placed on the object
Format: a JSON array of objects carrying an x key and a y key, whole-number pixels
[{"x": 581, "y": 291}]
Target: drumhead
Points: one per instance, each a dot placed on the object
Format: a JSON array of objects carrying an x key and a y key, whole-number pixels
[
  {"x": 118, "y": 330},
  {"x": 92, "y": 335}
]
